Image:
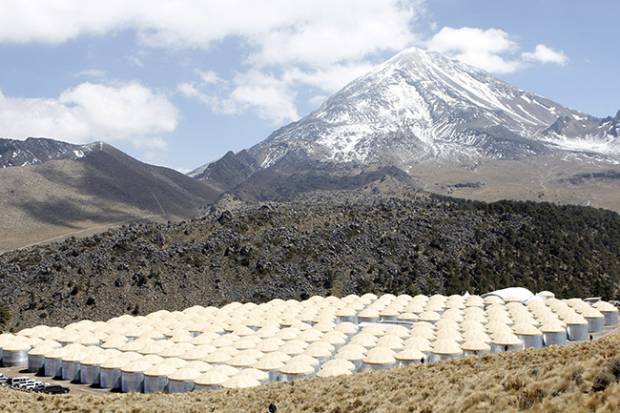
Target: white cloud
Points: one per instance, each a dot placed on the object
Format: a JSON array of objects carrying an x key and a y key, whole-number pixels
[
  {"x": 306, "y": 31},
  {"x": 188, "y": 89},
  {"x": 271, "y": 96},
  {"x": 320, "y": 43},
  {"x": 123, "y": 113},
  {"x": 492, "y": 50},
  {"x": 328, "y": 79},
  {"x": 209, "y": 77},
  {"x": 545, "y": 54},
  {"x": 485, "y": 49}
]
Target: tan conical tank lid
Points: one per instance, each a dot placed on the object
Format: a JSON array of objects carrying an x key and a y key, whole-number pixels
[
  {"x": 212, "y": 378},
  {"x": 241, "y": 381},
  {"x": 138, "y": 366},
  {"x": 185, "y": 374},
  {"x": 446, "y": 347},
  {"x": 380, "y": 355},
  {"x": 409, "y": 354},
  {"x": 162, "y": 369},
  {"x": 475, "y": 345}
]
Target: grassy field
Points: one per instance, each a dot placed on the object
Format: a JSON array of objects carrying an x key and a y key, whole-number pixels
[{"x": 576, "y": 378}]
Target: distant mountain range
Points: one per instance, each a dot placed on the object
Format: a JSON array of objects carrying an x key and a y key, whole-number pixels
[
  {"x": 50, "y": 188},
  {"x": 437, "y": 119}
]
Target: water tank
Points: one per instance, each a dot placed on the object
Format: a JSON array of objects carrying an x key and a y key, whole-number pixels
[
  {"x": 110, "y": 370},
  {"x": 182, "y": 380},
  {"x": 505, "y": 341},
  {"x": 595, "y": 319},
  {"x": 213, "y": 379},
  {"x": 297, "y": 369},
  {"x": 379, "y": 358},
  {"x": 36, "y": 356},
  {"x": 530, "y": 336},
  {"x": 132, "y": 376},
  {"x": 53, "y": 362},
  {"x": 553, "y": 333},
  {"x": 15, "y": 352},
  {"x": 576, "y": 327},
  {"x": 609, "y": 311},
  {"x": 156, "y": 377},
  {"x": 445, "y": 350},
  {"x": 90, "y": 366},
  {"x": 410, "y": 356}
]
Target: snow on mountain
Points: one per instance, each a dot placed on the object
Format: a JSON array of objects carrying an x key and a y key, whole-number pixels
[
  {"x": 420, "y": 105},
  {"x": 34, "y": 151}
]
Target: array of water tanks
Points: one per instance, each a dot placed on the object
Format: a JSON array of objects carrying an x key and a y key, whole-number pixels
[{"x": 245, "y": 345}]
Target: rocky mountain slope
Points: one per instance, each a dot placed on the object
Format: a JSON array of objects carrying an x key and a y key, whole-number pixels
[
  {"x": 421, "y": 112},
  {"x": 323, "y": 243},
  {"x": 35, "y": 151},
  {"x": 102, "y": 186}
]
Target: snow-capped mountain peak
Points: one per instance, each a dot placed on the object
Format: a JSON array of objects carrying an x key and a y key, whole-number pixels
[{"x": 421, "y": 104}]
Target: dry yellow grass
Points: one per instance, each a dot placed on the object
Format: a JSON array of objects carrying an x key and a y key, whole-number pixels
[{"x": 546, "y": 380}]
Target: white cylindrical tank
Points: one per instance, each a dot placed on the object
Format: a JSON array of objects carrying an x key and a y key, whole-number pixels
[
  {"x": 475, "y": 347},
  {"x": 156, "y": 378},
  {"x": 212, "y": 379},
  {"x": 240, "y": 381},
  {"x": 504, "y": 341},
  {"x": 410, "y": 356},
  {"x": 347, "y": 314},
  {"x": 259, "y": 375},
  {"x": 53, "y": 362},
  {"x": 331, "y": 369},
  {"x": 132, "y": 376},
  {"x": 110, "y": 370},
  {"x": 36, "y": 356},
  {"x": 379, "y": 358},
  {"x": 368, "y": 315},
  {"x": 15, "y": 353},
  {"x": 595, "y": 319},
  {"x": 182, "y": 380},
  {"x": 445, "y": 350},
  {"x": 530, "y": 336},
  {"x": 320, "y": 350},
  {"x": 353, "y": 353},
  {"x": 297, "y": 369},
  {"x": 71, "y": 363},
  {"x": 271, "y": 364},
  {"x": 553, "y": 333},
  {"x": 90, "y": 366},
  {"x": 576, "y": 327},
  {"x": 609, "y": 311}
]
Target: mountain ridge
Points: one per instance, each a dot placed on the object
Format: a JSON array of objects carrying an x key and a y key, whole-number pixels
[
  {"x": 422, "y": 110},
  {"x": 102, "y": 186}
]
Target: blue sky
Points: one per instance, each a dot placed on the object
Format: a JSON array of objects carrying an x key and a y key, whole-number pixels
[{"x": 180, "y": 83}]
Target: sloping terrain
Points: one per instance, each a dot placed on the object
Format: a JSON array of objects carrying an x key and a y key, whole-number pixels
[
  {"x": 557, "y": 179},
  {"x": 324, "y": 243},
  {"x": 567, "y": 379},
  {"x": 102, "y": 187}
]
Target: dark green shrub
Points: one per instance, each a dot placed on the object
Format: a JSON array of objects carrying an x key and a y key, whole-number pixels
[
  {"x": 5, "y": 315},
  {"x": 603, "y": 380}
]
